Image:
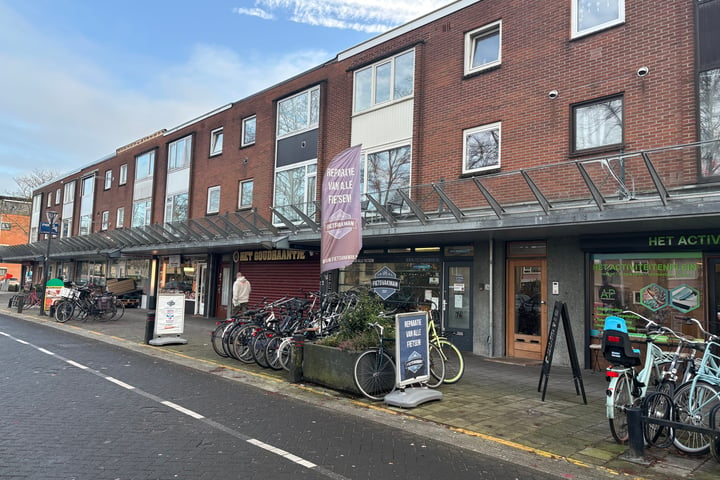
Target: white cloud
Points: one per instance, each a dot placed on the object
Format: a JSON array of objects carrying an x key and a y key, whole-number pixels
[
  {"x": 371, "y": 16},
  {"x": 254, "y": 12}
]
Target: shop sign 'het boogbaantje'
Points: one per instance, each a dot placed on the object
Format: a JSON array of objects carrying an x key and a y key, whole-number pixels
[{"x": 269, "y": 255}]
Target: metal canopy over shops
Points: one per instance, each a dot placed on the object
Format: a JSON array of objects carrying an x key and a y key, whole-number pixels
[{"x": 600, "y": 193}]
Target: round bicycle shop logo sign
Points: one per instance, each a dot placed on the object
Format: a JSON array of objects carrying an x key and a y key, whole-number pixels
[{"x": 385, "y": 283}]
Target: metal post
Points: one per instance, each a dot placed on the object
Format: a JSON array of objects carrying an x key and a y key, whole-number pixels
[
  {"x": 636, "y": 440},
  {"x": 296, "y": 358},
  {"x": 51, "y": 216}
]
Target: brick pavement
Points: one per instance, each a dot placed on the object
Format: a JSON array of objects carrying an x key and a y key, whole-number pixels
[{"x": 494, "y": 401}]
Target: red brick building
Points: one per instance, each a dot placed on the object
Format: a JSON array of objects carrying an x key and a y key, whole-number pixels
[{"x": 514, "y": 155}]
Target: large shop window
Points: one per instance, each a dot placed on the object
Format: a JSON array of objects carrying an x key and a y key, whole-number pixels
[
  {"x": 666, "y": 288},
  {"x": 405, "y": 284}
]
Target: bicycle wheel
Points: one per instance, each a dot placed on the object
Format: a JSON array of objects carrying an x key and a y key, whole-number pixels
[
  {"x": 374, "y": 374},
  {"x": 454, "y": 363},
  {"x": 272, "y": 350},
  {"x": 695, "y": 411},
  {"x": 659, "y": 406},
  {"x": 437, "y": 367},
  {"x": 242, "y": 343},
  {"x": 216, "y": 339},
  {"x": 258, "y": 348},
  {"x": 64, "y": 311},
  {"x": 285, "y": 353},
  {"x": 621, "y": 400},
  {"x": 119, "y": 310}
]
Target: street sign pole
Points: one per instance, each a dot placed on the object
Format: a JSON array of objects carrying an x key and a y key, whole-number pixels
[{"x": 51, "y": 216}]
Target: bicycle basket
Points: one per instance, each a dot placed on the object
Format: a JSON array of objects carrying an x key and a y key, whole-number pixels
[
  {"x": 69, "y": 293},
  {"x": 103, "y": 302},
  {"x": 710, "y": 364}
]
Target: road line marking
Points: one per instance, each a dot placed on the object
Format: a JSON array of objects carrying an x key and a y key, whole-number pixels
[
  {"x": 282, "y": 453},
  {"x": 182, "y": 409},
  {"x": 46, "y": 351},
  {"x": 78, "y": 365},
  {"x": 120, "y": 383}
]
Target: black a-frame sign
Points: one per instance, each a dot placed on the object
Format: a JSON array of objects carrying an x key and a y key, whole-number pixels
[{"x": 560, "y": 312}]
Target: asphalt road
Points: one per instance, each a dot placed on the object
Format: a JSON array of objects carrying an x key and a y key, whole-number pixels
[{"x": 75, "y": 408}]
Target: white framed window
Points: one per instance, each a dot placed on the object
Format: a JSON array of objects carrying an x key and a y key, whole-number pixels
[
  {"x": 66, "y": 228},
  {"x": 105, "y": 223},
  {"x": 123, "y": 174},
  {"x": 389, "y": 80},
  {"x": 120, "y": 217},
  {"x": 384, "y": 172},
  {"x": 481, "y": 148},
  {"x": 108, "y": 179},
  {"x": 58, "y": 196},
  {"x": 248, "y": 131},
  {"x": 245, "y": 194},
  {"x": 598, "y": 124},
  {"x": 590, "y": 16},
  {"x": 213, "y": 200},
  {"x": 85, "y": 225},
  {"x": 483, "y": 48},
  {"x": 49, "y": 200},
  {"x": 216, "y": 141},
  {"x": 176, "y": 208},
  {"x": 141, "y": 212},
  {"x": 295, "y": 185},
  {"x": 145, "y": 165},
  {"x": 179, "y": 153},
  {"x": 298, "y": 113},
  {"x": 69, "y": 193}
]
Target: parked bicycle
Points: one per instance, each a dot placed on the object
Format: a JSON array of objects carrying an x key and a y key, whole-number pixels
[
  {"x": 627, "y": 386},
  {"x": 81, "y": 303},
  {"x": 451, "y": 356},
  {"x": 374, "y": 369}
]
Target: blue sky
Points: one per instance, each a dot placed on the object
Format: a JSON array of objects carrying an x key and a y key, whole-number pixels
[{"x": 79, "y": 78}]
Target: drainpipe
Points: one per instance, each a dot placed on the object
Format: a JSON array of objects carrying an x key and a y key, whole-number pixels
[{"x": 490, "y": 298}]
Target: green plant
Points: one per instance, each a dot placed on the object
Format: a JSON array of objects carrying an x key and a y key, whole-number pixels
[{"x": 355, "y": 333}]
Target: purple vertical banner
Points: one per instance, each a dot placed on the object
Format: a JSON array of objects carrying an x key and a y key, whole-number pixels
[{"x": 341, "y": 220}]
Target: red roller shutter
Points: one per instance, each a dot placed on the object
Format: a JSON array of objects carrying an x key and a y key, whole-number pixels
[{"x": 278, "y": 279}]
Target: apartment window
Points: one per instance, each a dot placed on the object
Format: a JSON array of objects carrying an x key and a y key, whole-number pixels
[
  {"x": 141, "y": 212},
  {"x": 386, "y": 81},
  {"x": 176, "y": 208},
  {"x": 598, "y": 124},
  {"x": 123, "y": 174},
  {"x": 120, "y": 217},
  {"x": 105, "y": 223},
  {"x": 108, "y": 179},
  {"x": 248, "y": 131},
  {"x": 589, "y": 16},
  {"x": 49, "y": 200},
  {"x": 295, "y": 185},
  {"x": 145, "y": 165},
  {"x": 5, "y": 226},
  {"x": 69, "y": 193},
  {"x": 213, "y": 200},
  {"x": 245, "y": 194},
  {"x": 216, "y": 141},
  {"x": 483, "y": 48},
  {"x": 66, "y": 226},
  {"x": 299, "y": 112},
  {"x": 481, "y": 148},
  {"x": 58, "y": 196},
  {"x": 179, "y": 153},
  {"x": 85, "y": 223},
  {"x": 709, "y": 93},
  {"x": 385, "y": 172}
]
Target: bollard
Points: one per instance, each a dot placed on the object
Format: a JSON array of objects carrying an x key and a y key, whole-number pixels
[
  {"x": 20, "y": 303},
  {"x": 636, "y": 440},
  {"x": 150, "y": 326},
  {"x": 296, "y": 358}
]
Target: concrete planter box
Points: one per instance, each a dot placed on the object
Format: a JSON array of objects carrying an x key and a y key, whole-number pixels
[{"x": 330, "y": 367}]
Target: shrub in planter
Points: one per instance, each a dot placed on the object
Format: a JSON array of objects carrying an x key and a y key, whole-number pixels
[{"x": 354, "y": 333}]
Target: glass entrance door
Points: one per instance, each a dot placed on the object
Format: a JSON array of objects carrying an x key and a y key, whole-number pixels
[
  {"x": 526, "y": 308},
  {"x": 458, "y": 304}
]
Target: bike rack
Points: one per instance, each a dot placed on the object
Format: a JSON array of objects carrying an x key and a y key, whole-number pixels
[{"x": 673, "y": 425}]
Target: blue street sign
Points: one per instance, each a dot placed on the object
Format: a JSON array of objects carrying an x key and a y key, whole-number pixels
[{"x": 45, "y": 228}]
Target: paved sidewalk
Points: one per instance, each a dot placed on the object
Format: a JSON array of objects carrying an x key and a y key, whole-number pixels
[{"x": 494, "y": 402}]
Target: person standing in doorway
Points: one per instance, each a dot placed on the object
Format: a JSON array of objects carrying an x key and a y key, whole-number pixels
[{"x": 241, "y": 294}]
